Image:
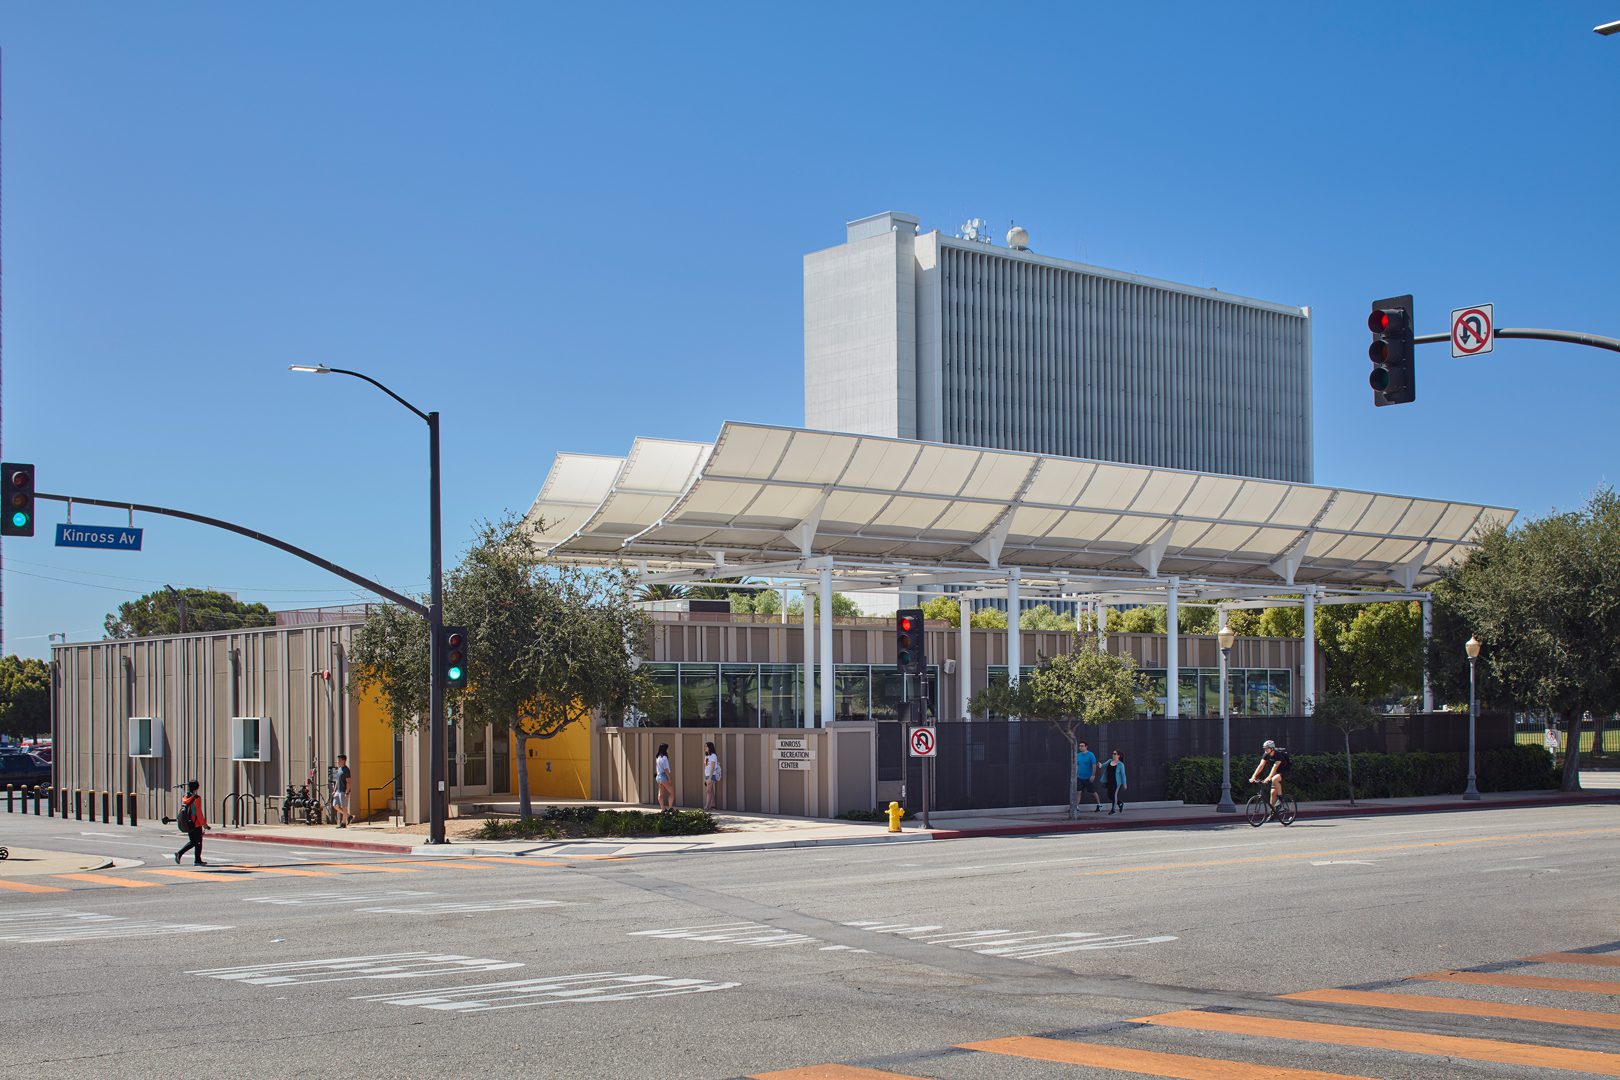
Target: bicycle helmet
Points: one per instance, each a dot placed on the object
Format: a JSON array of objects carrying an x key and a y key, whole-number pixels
[{"x": 1269, "y": 745}]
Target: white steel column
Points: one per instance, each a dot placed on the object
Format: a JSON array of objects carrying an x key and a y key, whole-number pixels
[
  {"x": 1172, "y": 652},
  {"x": 964, "y": 657},
  {"x": 1307, "y": 694},
  {"x": 826, "y": 648},
  {"x": 809, "y": 720},
  {"x": 1015, "y": 656},
  {"x": 1428, "y": 632},
  {"x": 1102, "y": 626}
]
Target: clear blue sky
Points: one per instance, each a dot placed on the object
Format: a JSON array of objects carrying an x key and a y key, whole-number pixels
[{"x": 564, "y": 227}]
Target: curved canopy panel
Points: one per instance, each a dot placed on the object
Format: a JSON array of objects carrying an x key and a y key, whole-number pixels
[{"x": 772, "y": 495}]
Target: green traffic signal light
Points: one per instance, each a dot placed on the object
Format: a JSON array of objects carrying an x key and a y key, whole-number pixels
[
  {"x": 19, "y": 520},
  {"x": 454, "y": 674}
]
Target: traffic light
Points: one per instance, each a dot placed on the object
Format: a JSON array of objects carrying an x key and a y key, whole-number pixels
[
  {"x": 1394, "y": 374},
  {"x": 19, "y": 508},
  {"x": 453, "y": 655},
  {"x": 909, "y": 657}
]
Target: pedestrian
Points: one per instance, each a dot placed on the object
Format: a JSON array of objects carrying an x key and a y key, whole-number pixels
[
  {"x": 663, "y": 778},
  {"x": 192, "y": 822},
  {"x": 340, "y": 792},
  {"x": 1085, "y": 776},
  {"x": 711, "y": 775},
  {"x": 1114, "y": 771}
]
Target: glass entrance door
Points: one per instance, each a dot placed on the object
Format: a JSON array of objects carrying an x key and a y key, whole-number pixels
[{"x": 469, "y": 760}]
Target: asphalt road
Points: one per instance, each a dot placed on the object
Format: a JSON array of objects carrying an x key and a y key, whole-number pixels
[{"x": 1151, "y": 953}]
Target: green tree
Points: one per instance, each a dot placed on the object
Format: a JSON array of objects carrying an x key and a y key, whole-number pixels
[
  {"x": 548, "y": 644},
  {"x": 205, "y": 609},
  {"x": 1138, "y": 620},
  {"x": 660, "y": 591},
  {"x": 1076, "y": 689},
  {"x": 988, "y": 618},
  {"x": 1544, "y": 602},
  {"x": 1347, "y": 713},
  {"x": 842, "y": 607},
  {"x": 25, "y": 697},
  {"x": 1371, "y": 651},
  {"x": 1042, "y": 617},
  {"x": 945, "y": 609}
]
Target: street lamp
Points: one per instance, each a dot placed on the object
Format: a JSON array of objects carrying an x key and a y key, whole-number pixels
[
  {"x": 436, "y": 730},
  {"x": 1607, "y": 28},
  {"x": 1472, "y": 649},
  {"x": 1226, "y": 637}
]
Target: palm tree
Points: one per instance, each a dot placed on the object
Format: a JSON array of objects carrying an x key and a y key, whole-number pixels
[{"x": 661, "y": 592}]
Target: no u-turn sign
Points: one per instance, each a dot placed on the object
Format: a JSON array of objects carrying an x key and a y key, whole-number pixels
[{"x": 1472, "y": 330}]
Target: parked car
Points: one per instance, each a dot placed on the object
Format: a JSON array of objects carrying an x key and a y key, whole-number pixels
[{"x": 23, "y": 770}]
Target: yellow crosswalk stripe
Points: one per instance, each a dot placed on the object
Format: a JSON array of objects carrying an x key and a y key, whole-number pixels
[
  {"x": 109, "y": 879},
  {"x": 369, "y": 868},
  {"x": 1145, "y": 1062},
  {"x": 1591, "y": 959},
  {"x": 1463, "y": 1007},
  {"x": 433, "y": 864},
  {"x": 1522, "y": 982},
  {"x": 1468, "y": 1049},
  {"x": 288, "y": 871},
  {"x": 189, "y": 875},
  {"x": 831, "y": 1072},
  {"x": 25, "y": 886}
]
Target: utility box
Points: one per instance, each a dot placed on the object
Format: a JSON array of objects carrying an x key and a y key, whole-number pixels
[{"x": 145, "y": 736}]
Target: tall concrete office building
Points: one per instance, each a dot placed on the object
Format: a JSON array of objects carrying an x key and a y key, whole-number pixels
[{"x": 950, "y": 339}]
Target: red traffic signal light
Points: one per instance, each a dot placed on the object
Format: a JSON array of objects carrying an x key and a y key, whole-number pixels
[
  {"x": 908, "y": 642},
  {"x": 1394, "y": 375}
]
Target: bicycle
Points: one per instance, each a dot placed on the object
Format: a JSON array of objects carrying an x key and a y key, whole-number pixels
[{"x": 1259, "y": 809}]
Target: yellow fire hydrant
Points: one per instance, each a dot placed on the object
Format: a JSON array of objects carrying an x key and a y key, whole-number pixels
[{"x": 895, "y": 814}]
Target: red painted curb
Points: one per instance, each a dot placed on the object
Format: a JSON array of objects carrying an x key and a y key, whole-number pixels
[
  {"x": 342, "y": 845},
  {"x": 1209, "y": 820}
]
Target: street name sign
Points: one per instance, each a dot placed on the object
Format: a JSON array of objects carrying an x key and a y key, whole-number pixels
[
  {"x": 107, "y": 537},
  {"x": 1473, "y": 330}
]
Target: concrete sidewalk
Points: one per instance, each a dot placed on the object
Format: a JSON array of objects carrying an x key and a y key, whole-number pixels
[{"x": 750, "y": 832}]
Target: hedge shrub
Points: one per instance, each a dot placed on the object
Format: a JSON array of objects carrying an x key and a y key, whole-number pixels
[
  {"x": 1321, "y": 777},
  {"x": 558, "y": 822}
]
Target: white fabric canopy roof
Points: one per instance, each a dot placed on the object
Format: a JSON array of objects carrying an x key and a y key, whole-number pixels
[{"x": 773, "y": 495}]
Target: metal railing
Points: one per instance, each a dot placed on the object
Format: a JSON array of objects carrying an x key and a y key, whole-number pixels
[{"x": 391, "y": 785}]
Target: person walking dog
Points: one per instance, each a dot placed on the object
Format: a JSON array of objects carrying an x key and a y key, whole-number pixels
[
  {"x": 1114, "y": 771},
  {"x": 193, "y": 823}
]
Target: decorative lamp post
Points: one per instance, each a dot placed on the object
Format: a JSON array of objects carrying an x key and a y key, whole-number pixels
[
  {"x": 1472, "y": 649},
  {"x": 1226, "y": 637}
]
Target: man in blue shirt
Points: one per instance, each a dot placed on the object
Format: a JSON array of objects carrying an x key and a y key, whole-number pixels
[{"x": 1085, "y": 773}]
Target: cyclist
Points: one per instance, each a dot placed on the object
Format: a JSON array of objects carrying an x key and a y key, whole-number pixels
[{"x": 1279, "y": 761}]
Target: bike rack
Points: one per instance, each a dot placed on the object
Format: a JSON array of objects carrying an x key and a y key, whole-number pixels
[{"x": 239, "y": 809}]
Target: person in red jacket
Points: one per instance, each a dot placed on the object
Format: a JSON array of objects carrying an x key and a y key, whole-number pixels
[{"x": 193, "y": 822}]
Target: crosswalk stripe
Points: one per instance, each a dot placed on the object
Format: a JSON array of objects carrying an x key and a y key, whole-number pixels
[
  {"x": 1592, "y": 959},
  {"x": 1505, "y": 1053},
  {"x": 1463, "y": 1007},
  {"x": 516, "y": 860},
  {"x": 108, "y": 879},
  {"x": 191, "y": 875},
  {"x": 1522, "y": 982},
  {"x": 1144, "y": 1062},
  {"x": 831, "y": 1072},
  {"x": 24, "y": 886},
  {"x": 435, "y": 864},
  {"x": 370, "y": 868},
  {"x": 289, "y": 871}
]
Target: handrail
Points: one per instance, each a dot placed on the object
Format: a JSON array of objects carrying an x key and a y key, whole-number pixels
[{"x": 391, "y": 784}]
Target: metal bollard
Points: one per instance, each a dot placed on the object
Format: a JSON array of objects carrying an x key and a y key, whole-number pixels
[
  {"x": 118, "y": 802},
  {"x": 8, "y": 798},
  {"x": 78, "y": 805},
  {"x": 132, "y": 822},
  {"x": 106, "y": 807},
  {"x": 38, "y": 794},
  {"x": 50, "y": 802}
]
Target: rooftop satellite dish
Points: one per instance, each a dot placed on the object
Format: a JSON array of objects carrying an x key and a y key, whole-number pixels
[{"x": 1018, "y": 238}]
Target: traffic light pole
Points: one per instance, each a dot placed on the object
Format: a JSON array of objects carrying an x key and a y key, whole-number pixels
[
  {"x": 1569, "y": 337},
  {"x": 438, "y": 797}
]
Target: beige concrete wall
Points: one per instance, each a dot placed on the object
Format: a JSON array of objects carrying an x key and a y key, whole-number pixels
[{"x": 843, "y": 775}]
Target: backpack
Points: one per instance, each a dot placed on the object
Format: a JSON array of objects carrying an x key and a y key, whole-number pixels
[
  {"x": 187, "y": 820},
  {"x": 715, "y": 776}
]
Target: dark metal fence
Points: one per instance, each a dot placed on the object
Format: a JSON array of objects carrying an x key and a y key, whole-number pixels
[{"x": 983, "y": 765}]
